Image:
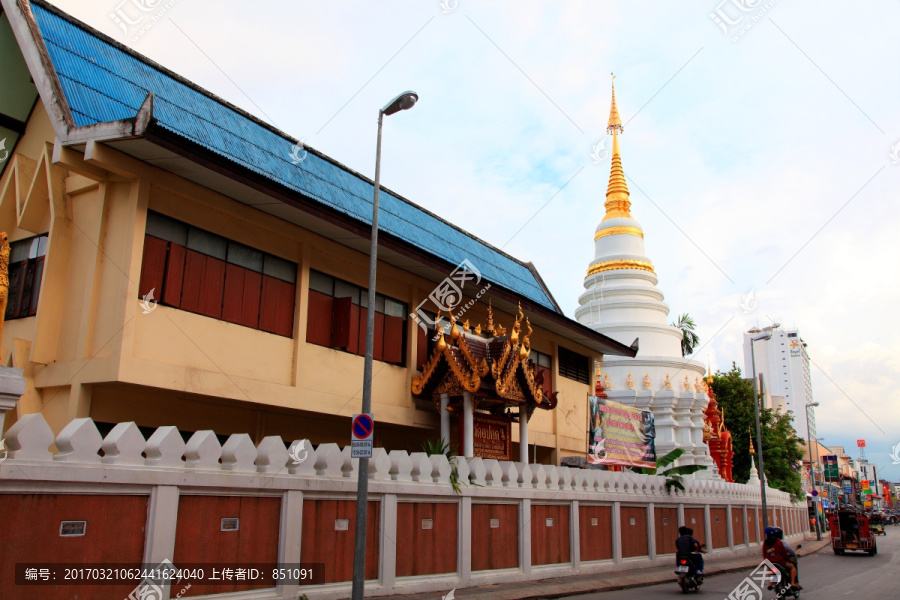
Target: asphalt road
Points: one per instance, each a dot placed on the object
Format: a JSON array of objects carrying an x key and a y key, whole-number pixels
[{"x": 823, "y": 575}]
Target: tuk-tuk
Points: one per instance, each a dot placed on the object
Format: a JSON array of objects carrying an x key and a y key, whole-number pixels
[
  {"x": 850, "y": 530},
  {"x": 876, "y": 523}
]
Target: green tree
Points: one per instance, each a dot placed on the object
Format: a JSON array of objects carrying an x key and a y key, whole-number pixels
[
  {"x": 781, "y": 446},
  {"x": 689, "y": 339},
  {"x": 673, "y": 475}
]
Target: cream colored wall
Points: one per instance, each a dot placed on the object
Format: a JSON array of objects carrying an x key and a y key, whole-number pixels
[{"x": 104, "y": 336}]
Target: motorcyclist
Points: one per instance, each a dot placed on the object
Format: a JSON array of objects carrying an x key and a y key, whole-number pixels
[
  {"x": 777, "y": 552},
  {"x": 688, "y": 546}
]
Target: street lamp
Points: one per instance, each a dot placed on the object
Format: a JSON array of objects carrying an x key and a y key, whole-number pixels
[
  {"x": 809, "y": 411},
  {"x": 404, "y": 101},
  {"x": 759, "y": 452}
]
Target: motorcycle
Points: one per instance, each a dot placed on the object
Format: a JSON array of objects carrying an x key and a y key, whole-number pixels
[
  {"x": 686, "y": 570},
  {"x": 781, "y": 577}
]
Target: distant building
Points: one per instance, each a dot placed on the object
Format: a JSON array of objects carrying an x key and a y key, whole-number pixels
[{"x": 784, "y": 363}]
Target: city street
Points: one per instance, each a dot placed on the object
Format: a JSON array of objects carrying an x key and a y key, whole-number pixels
[{"x": 822, "y": 575}]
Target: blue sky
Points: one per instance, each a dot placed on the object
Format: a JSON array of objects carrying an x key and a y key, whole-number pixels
[{"x": 760, "y": 162}]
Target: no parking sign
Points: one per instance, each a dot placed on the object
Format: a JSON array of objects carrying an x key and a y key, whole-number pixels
[{"x": 361, "y": 433}]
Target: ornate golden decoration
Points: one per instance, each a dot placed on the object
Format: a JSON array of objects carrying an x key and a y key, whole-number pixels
[
  {"x": 4, "y": 277},
  {"x": 629, "y": 382},
  {"x": 617, "y": 203},
  {"x": 606, "y": 383},
  {"x": 610, "y": 265},
  {"x": 697, "y": 387},
  {"x": 686, "y": 384},
  {"x": 619, "y": 229},
  {"x": 647, "y": 381},
  {"x": 668, "y": 383}
]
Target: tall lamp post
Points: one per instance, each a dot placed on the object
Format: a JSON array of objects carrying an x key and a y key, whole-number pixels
[
  {"x": 809, "y": 411},
  {"x": 404, "y": 101},
  {"x": 759, "y": 452}
]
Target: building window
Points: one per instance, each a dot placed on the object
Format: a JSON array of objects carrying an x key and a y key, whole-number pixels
[
  {"x": 203, "y": 273},
  {"x": 26, "y": 266},
  {"x": 337, "y": 313},
  {"x": 543, "y": 370},
  {"x": 574, "y": 366}
]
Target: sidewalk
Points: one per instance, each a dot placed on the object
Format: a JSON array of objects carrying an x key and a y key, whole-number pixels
[{"x": 604, "y": 582}]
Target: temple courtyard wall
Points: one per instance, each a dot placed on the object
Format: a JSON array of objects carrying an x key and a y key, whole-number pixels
[{"x": 147, "y": 501}]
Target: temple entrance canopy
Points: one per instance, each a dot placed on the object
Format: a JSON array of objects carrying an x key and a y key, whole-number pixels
[{"x": 484, "y": 372}]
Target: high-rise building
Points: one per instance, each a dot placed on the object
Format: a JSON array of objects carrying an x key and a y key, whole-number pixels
[{"x": 784, "y": 363}]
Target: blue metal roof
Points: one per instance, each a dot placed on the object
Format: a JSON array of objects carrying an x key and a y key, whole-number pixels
[{"x": 103, "y": 82}]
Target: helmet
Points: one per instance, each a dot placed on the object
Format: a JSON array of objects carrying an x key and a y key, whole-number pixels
[
  {"x": 685, "y": 530},
  {"x": 774, "y": 532}
]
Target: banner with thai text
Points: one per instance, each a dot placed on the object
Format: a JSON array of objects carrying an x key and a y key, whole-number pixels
[{"x": 620, "y": 435}]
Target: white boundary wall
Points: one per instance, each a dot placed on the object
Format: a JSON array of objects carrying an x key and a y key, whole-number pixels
[{"x": 164, "y": 467}]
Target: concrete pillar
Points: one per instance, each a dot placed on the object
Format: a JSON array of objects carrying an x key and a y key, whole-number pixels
[
  {"x": 708, "y": 520},
  {"x": 159, "y": 543},
  {"x": 289, "y": 539},
  {"x": 617, "y": 532},
  {"x": 746, "y": 526},
  {"x": 651, "y": 531},
  {"x": 523, "y": 434},
  {"x": 525, "y": 536},
  {"x": 730, "y": 527},
  {"x": 468, "y": 426},
  {"x": 445, "y": 420},
  {"x": 465, "y": 540},
  {"x": 575, "y": 534},
  {"x": 388, "y": 541},
  {"x": 681, "y": 515}
]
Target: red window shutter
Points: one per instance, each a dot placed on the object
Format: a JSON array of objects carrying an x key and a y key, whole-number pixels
[
  {"x": 153, "y": 268},
  {"x": 174, "y": 275},
  {"x": 276, "y": 306},
  {"x": 393, "y": 339},
  {"x": 340, "y": 319},
  {"x": 242, "y": 295},
  {"x": 355, "y": 342},
  {"x": 194, "y": 266},
  {"x": 545, "y": 385},
  {"x": 378, "y": 338},
  {"x": 212, "y": 288},
  {"x": 421, "y": 348},
  {"x": 318, "y": 318}
]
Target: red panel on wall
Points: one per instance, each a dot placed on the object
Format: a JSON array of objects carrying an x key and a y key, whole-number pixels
[
  {"x": 194, "y": 269},
  {"x": 737, "y": 524},
  {"x": 426, "y": 538},
  {"x": 751, "y": 528},
  {"x": 666, "y": 529},
  {"x": 199, "y": 537},
  {"x": 393, "y": 340},
  {"x": 329, "y": 528},
  {"x": 378, "y": 338},
  {"x": 719, "y": 527},
  {"x": 30, "y": 527},
  {"x": 693, "y": 518},
  {"x": 595, "y": 532},
  {"x": 241, "y": 303},
  {"x": 495, "y": 536},
  {"x": 276, "y": 312},
  {"x": 549, "y": 534},
  {"x": 212, "y": 288},
  {"x": 174, "y": 275},
  {"x": 318, "y": 318},
  {"x": 341, "y": 321},
  {"x": 153, "y": 269},
  {"x": 361, "y": 331},
  {"x": 634, "y": 531}
]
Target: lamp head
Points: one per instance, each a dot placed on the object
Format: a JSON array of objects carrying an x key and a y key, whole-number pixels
[
  {"x": 758, "y": 338},
  {"x": 813, "y": 404},
  {"x": 404, "y": 101}
]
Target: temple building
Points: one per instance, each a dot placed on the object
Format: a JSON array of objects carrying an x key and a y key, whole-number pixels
[
  {"x": 176, "y": 261},
  {"x": 716, "y": 436},
  {"x": 621, "y": 300}
]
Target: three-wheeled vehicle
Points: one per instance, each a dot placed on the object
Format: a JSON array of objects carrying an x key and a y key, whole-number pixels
[
  {"x": 876, "y": 522},
  {"x": 850, "y": 530}
]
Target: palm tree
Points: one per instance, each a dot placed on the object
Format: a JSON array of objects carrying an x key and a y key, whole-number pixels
[
  {"x": 673, "y": 475},
  {"x": 689, "y": 339}
]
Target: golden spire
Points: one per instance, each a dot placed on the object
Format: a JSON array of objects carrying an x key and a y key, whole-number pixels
[
  {"x": 752, "y": 450},
  {"x": 617, "y": 203}
]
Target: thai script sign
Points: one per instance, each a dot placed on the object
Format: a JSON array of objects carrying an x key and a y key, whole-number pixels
[
  {"x": 620, "y": 435},
  {"x": 492, "y": 437}
]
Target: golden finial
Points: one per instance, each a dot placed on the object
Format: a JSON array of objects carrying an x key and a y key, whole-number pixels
[
  {"x": 668, "y": 383},
  {"x": 697, "y": 384},
  {"x": 466, "y": 326},
  {"x": 490, "y": 322},
  {"x": 617, "y": 203},
  {"x": 686, "y": 384},
  {"x": 478, "y": 329},
  {"x": 752, "y": 450},
  {"x": 629, "y": 382},
  {"x": 647, "y": 381},
  {"x": 597, "y": 371},
  {"x": 441, "y": 342},
  {"x": 4, "y": 277},
  {"x": 606, "y": 382},
  {"x": 615, "y": 123}
]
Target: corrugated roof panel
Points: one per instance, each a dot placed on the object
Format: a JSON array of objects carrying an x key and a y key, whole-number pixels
[{"x": 104, "y": 83}]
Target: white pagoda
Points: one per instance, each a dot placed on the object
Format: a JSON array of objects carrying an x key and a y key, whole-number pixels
[{"x": 622, "y": 301}]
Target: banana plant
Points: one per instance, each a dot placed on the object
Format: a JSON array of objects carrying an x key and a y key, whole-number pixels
[
  {"x": 433, "y": 447},
  {"x": 673, "y": 475}
]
